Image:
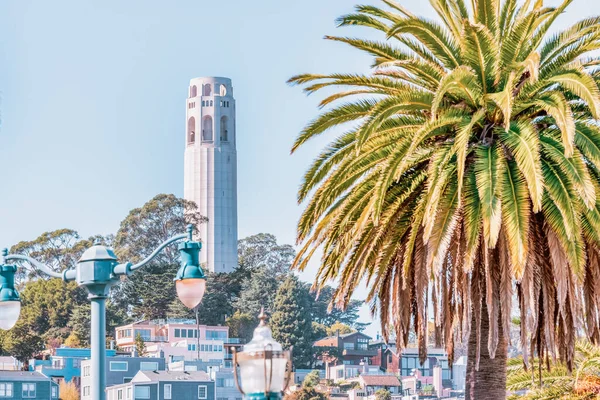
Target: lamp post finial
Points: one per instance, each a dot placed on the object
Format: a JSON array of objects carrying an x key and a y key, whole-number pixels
[{"x": 262, "y": 317}]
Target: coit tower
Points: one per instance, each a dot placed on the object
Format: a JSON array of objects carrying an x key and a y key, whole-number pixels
[{"x": 210, "y": 177}]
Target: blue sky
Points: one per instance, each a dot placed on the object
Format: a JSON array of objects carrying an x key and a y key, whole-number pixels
[{"x": 93, "y": 104}]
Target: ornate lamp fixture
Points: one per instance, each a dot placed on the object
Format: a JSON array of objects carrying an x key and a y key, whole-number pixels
[{"x": 264, "y": 367}]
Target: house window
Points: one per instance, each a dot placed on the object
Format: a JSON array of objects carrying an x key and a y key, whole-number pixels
[
  {"x": 220, "y": 335},
  {"x": 191, "y": 140},
  {"x": 178, "y": 331},
  {"x": 76, "y": 363},
  {"x": 86, "y": 390},
  {"x": 202, "y": 392},
  {"x": 146, "y": 334},
  {"x": 142, "y": 392},
  {"x": 348, "y": 346},
  {"x": 191, "y": 347},
  {"x": 28, "y": 391},
  {"x": 224, "y": 128},
  {"x": 167, "y": 394},
  {"x": 129, "y": 393},
  {"x": 118, "y": 366},
  {"x": 6, "y": 389},
  {"x": 183, "y": 333},
  {"x": 148, "y": 366},
  {"x": 207, "y": 134},
  {"x": 120, "y": 394}
]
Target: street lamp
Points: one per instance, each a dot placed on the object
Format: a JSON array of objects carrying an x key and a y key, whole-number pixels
[
  {"x": 97, "y": 270},
  {"x": 264, "y": 367}
]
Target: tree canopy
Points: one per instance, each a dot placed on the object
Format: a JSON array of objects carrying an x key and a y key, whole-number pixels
[{"x": 466, "y": 172}]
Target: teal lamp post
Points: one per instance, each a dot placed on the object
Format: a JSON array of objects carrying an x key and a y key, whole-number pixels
[
  {"x": 97, "y": 270},
  {"x": 264, "y": 367},
  {"x": 10, "y": 302}
]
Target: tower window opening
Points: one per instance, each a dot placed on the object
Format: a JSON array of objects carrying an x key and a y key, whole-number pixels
[
  {"x": 206, "y": 89},
  {"x": 191, "y": 130},
  {"x": 222, "y": 90},
  {"x": 193, "y": 91},
  {"x": 207, "y": 129},
  {"x": 211, "y": 103},
  {"x": 224, "y": 129},
  {"x": 203, "y": 103}
]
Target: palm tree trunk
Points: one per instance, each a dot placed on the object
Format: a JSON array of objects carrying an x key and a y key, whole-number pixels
[{"x": 489, "y": 381}]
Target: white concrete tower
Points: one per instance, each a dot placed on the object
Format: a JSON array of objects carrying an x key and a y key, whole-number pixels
[{"x": 211, "y": 168}]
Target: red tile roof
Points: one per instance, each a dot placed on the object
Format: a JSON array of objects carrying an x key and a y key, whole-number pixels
[{"x": 380, "y": 380}]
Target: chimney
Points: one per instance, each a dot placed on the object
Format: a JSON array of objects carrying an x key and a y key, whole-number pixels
[
  {"x": 437, "y": 380},
  {"x": 112, "y": 344}
]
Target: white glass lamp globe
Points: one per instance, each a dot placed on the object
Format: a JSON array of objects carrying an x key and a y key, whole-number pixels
[
  {"x": 254, "y": 358},
  {"x": 9, "y": 313},
  {"x": 190, "y": 291}
]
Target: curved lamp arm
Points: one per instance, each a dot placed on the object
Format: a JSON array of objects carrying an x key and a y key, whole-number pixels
[
  {"x": 188, "y": 236},
  {"x": 42, "y": 267}
]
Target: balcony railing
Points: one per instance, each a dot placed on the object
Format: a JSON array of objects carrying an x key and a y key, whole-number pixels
[{"x": 360, "y": 352}]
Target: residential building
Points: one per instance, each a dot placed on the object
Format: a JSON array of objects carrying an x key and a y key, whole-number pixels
[
  {"x": 167, "y": 385},
  {"x": 9, "y": 363},
  {"x": 119, "y": 370},
  {"x": 372, "y": 383},
  {"x": 196, "y": 365},
  {"x": 176, "y": 339},
  {"x": 65, "y": 364},
  {"x": 352, "y": 348},
  {"x": 17, "y": 385},
  {"x": 459, "y": 373},
  {"x": 210, "y": 169},
  {"x": 225, "y": 388}
]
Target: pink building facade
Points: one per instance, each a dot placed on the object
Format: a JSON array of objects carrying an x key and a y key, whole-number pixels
[{"x": 175, "y": 340}]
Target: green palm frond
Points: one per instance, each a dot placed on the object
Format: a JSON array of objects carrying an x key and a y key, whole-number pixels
[{"x": 471, "y": 149}]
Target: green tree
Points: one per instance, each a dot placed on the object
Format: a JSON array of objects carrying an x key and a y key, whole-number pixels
[
  {"x": 547, "y": 380},
  {"x": 291, "y": 321},
  {"x": 80, "y": 323},
  {"x": 306, "y": 393},
  {"x": 471, "y": 161},
  {"x": 22, "y": 342},
  {"x": 241, "y": 325},
  {"x": 263, "y": 251},
  {"x": 140, "y": 345},
  {"x": 383, "y": 394},
  {"x": 323, "y": 314},
  {"x": 149, "y": 292},
  {"x": 311, "y": 379},
  {"x": 340, "y": 328},
  {"x": 258, "y": 291},
  {"x": 74, "y": 341}
]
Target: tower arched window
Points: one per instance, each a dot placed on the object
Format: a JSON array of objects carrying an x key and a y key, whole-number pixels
[
  {"x": 206, "y": 89},
  {"x": 193, "y": 91},
  {"x": 191, "y": 130},
  {"x": 224, "y": 127},
  {"x": 207, "y": 129}
]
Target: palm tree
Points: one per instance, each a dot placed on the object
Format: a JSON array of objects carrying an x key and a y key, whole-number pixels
[
  {"x": 556, "y": 381},
  {"x": 468, "y": 171}
]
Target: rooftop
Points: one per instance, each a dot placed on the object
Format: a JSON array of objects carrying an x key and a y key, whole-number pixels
[
  {"x": 380, "y": 380},
  {"x": 22, "y": 376},
  {"x": 170, "y": 376}
]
